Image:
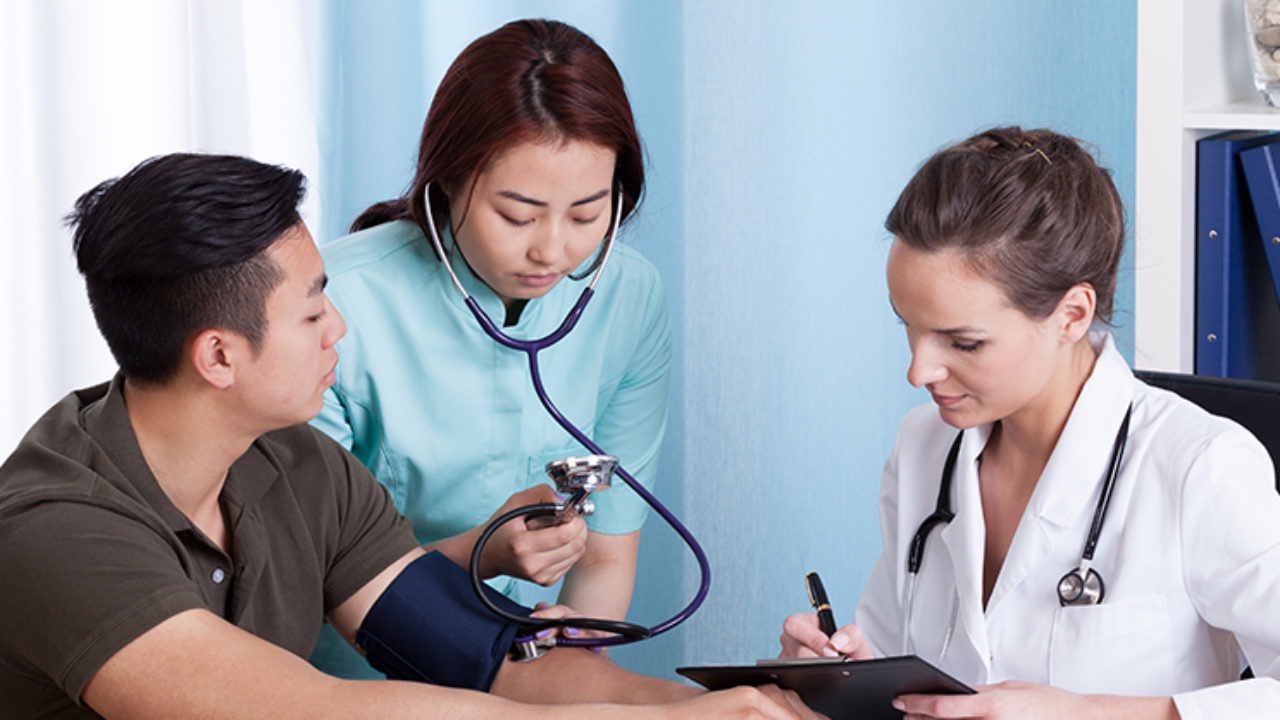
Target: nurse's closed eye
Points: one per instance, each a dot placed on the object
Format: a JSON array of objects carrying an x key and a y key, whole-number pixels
[
  {"x": 967, "y": 347},
  {"x": 513, "y": 221}
]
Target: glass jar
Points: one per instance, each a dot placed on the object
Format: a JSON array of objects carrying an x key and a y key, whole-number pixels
[{"x": 1262, "y": 25}]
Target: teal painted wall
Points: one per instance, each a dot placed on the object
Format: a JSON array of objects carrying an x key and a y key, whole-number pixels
[{"x": 778, "y": 135}]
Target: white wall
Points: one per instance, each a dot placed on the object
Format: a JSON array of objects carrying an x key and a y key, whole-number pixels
[{"x": 92, "y": 87}]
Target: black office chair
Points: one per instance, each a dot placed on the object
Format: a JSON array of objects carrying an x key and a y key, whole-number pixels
[{"x": 1252, "y": 403}]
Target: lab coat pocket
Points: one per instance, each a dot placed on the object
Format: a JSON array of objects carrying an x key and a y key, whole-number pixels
[{"x": 1116, "y": 647}]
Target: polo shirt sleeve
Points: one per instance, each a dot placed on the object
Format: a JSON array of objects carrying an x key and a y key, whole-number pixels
[
  {"x": 56, "y": 558},
  {"x": 366, "y": 533},
  {"x": 634, "y": 420}
]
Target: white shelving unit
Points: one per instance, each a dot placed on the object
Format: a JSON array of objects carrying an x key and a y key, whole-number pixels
[{"x": 1194, "y": 80}]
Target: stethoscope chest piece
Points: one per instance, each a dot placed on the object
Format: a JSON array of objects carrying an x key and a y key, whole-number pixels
[
  {"x": 578, "y": 477},
  {"x": 593, "y": 472},
  {"x": 1081, "y": 586}
]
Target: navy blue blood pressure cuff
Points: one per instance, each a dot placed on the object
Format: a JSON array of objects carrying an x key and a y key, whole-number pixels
[{"x": 429, "y": 626}]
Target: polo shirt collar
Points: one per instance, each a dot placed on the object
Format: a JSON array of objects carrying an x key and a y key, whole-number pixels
[
  {"x": 252, "y": 474},
  {"x": 106, "y": 420}
]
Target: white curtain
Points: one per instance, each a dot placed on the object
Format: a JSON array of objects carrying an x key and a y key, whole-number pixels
[{"x": 89, "y": 88}]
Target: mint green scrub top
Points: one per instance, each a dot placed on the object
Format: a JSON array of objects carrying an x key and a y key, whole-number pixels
[{"x": 448, "y": 420}]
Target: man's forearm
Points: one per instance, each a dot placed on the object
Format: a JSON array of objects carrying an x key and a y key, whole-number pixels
[{"x": 597, "y": 680}]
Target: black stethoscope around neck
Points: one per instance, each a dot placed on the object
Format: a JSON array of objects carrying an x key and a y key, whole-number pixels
[{"x": 1080, "y": 586}]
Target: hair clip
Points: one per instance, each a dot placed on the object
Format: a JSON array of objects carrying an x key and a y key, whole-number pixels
[{"x": 1038, "y": 150}]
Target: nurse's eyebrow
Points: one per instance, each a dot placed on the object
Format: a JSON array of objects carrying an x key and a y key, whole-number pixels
[{"x": 513, "y": 195}]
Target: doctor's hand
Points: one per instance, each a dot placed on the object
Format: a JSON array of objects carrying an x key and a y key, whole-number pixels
[
  {"x": 801, "y": 638},
  {"x": 1013, "y": 699},
  {"x": 535, "y": 551}
]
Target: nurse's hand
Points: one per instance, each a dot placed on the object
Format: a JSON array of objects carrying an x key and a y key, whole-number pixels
[
  {"x": 555, "y": 612},
  {"x": 535, "y": 552},
  {"x": 1027, "y": 700},
  {"x": 801, "y": 638}
]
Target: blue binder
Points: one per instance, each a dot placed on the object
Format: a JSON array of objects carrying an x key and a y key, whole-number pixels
[
  {"x": 1236, "y": 332},
  {"x": 1261, "y": 167}
]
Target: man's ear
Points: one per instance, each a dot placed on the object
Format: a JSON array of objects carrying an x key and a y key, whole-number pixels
[
  {"x": 1076, "y": 310},
  {"x": 214, "y": 355}
]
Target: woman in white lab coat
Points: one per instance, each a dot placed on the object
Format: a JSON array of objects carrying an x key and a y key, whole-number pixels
[{"x": 1002, "y": 267}]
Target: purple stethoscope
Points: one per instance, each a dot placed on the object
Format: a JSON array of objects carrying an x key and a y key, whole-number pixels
[{"x": 577, "y": 477}]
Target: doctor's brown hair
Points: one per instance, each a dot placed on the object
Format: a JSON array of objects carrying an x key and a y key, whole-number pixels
[
  {"x": 527, "y": 81},
  {"x": 1029, "y": 209}
]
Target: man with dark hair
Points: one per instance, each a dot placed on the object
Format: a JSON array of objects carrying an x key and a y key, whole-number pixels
[
  {"x": 171, "y": 541},
  {"x": 178, "y": 245}
]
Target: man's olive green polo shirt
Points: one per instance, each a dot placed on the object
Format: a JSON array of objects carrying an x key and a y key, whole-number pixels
[{"x": 93, "y": 554}]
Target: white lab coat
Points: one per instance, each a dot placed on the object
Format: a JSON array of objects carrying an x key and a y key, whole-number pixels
[{"x": 1189, "y": 552}]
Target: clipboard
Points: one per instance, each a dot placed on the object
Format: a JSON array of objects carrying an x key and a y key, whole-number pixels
[{"x": 839, "y": 688}]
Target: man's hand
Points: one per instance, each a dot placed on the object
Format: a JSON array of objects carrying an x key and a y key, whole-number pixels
[{"x": 744, "y": 702}]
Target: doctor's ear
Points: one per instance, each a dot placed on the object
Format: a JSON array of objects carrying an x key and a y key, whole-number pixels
[{"x": 1076, "y": 311}]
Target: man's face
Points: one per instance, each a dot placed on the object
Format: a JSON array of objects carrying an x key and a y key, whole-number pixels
[{"x": 285, "y": 383}]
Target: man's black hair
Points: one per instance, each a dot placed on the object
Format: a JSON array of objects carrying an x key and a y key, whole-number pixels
[{"x": 176, "y": 246}]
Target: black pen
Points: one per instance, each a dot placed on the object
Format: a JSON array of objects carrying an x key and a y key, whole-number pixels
[{"x": 818, "y": 598}]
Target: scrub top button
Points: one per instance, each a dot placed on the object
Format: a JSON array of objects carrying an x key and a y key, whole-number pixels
[{"x": 218, "y": 576}]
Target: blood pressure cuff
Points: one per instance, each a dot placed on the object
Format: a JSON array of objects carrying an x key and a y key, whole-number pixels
[{"x": 429, "y": 626}]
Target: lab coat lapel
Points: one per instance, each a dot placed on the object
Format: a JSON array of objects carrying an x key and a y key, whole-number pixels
[
  {"x": 1068, "y": 488},
  {"x": 963, "y": 539}
]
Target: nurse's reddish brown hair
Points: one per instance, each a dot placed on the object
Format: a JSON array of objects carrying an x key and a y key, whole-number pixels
[{"x": 530, "y": 80}]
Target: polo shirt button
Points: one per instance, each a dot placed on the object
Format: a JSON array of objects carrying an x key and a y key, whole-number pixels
[{"x": 218, "y": 576}]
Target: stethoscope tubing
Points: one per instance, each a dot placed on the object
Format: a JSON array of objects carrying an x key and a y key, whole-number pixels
[
  {"x": 533, "y": 511},
  {"x": 943, "y": 514},
  {"x": 1104, "y": 499},
  {"x": 703, "y": 565},
  {"x": 531, "y": 348}
]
